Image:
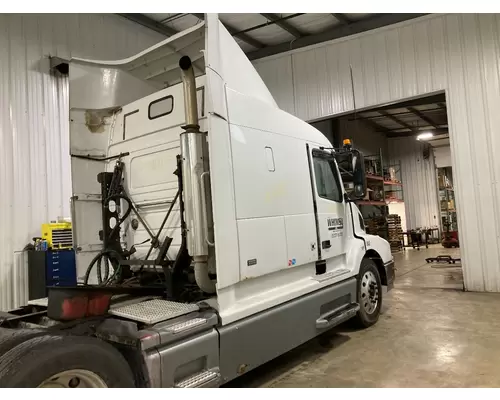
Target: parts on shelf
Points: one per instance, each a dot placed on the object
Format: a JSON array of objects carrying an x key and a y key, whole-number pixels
[
  {"x": 383, "y": 186},
  {"x": 395, "y": 232},
  {"x": 392, "y": 174},
  {"x": 376, "y": 226}
]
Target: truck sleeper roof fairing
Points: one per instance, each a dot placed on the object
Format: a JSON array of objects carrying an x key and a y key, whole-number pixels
[
  {"x": 159, "y": 64},
  {"x": 208, "y": 45}
]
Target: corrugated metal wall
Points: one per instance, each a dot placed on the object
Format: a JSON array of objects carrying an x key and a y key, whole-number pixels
[
  {"x": 326, "y": 127},
  {"x": 457, "y": 53},
  {"x": 34, "y": 133},
  {"x": 363, "y": 136},
  {"x": 418, "y": 175}
]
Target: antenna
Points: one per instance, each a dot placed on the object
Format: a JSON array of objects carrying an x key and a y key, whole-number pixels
[
  {"x": 352, "y": 88},
  {"x": 354, "y": 100}
]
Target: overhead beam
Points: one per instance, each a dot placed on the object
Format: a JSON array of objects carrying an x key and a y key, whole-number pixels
[
  {"x": 268, "y": 23},
  {"x": 147, "y": 22},
  {"x": 373, "y": 124},
  {"x": 283, "y": 25},
  {"x": 439, "y": 137},
  {"x": 439, "y": 146},
  {"x": 397, "y": 121},
  {"x": 420, "y": 130},
  {"x": 396, "y": 114},
  {"x": 340, "y": 31},
  {"x": 363, "y": 115},
  {"x": 439, "y": 131},
  {"x": 421, "y": 101},
  {"x": 240, "y": 35},
  {"x": 343, "y": 19},
  {"x": 422, "y": 116}
]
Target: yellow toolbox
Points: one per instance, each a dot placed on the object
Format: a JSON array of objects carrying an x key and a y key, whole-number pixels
[{"x": 58, "y": 235}]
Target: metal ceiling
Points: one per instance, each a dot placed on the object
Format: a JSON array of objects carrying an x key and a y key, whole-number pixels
[
  {"x": 262, "y": 35},
  {"x": 427, "y": 114}
]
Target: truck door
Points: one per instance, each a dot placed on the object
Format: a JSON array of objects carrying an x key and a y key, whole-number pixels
[{"x": 330, "y": 209}]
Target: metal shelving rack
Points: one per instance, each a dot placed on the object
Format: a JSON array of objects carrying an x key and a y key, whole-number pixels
[
  {"x": 375, "y": 209},
  {"x": 447, "y": 201}
]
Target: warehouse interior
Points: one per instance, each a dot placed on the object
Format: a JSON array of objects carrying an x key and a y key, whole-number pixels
[
  {"x": 416, "y": 94},
  {"x": 406, "y": 145}
]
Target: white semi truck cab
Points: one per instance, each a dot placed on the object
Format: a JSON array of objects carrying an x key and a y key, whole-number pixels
[{"x": 213, "y": 231}]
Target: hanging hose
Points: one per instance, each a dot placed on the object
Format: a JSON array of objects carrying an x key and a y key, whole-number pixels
[
  {"x": 97, "y": 260},
  {"x": 114, "y": 256},
  {"x": 109, "y": 256}
]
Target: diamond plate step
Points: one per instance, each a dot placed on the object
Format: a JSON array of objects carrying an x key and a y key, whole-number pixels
[
  {"x": 153, "y": 311},
  {"x": 198, "y": 380},
  {"x": 184, "y": 326},
  {"x": 43, "y": 302}
]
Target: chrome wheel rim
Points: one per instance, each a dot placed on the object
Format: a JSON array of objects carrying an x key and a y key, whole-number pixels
[
  {"x": 75, "y": 378},
  {"x": 369, "y": 295}
]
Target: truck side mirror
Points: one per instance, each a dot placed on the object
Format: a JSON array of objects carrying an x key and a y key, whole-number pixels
[
  {"x": 352, "y": 169},
  {"x": 359, "y": 175}
]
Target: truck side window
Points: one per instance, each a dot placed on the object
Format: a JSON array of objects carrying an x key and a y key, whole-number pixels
[
  {"x": 161, "y": 107},
  {"x": 327, "y": 182}
]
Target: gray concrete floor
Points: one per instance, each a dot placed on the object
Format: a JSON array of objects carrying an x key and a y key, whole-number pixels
[{"x": 430, "y": 334}]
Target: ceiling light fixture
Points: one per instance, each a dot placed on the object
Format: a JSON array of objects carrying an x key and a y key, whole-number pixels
[{"x": 425, "y": 136}]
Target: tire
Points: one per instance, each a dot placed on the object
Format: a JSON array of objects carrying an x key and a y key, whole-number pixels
[
  {"x": 10, "y": 338},
  {"x": 368, "y": 314},
  {"x": 38, "y": 359}
]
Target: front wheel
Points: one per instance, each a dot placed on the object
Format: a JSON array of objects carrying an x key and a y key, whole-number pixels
[{"x": 369, "y": 294}]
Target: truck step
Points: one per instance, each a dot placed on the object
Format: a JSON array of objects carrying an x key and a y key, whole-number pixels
[
  {"x": 336, "y": 317},
  {"x": 332, "y": 274},
  {"x": 202, "y": 379},
  {"x": 186, "y": 325},
  {"x": 153, "y": 311},
  {"x": 43, "y": 302}
]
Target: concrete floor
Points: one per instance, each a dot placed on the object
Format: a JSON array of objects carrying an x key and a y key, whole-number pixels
[{"x": 431, "y": 334}]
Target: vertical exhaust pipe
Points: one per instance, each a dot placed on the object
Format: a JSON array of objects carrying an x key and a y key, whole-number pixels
[
  {"x": 189, "y": 87},
  {"x": 193, "y": 169}
]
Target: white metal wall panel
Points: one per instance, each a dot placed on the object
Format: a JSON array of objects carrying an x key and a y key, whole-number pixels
[
  {"x": 340, "y": 88},
  {"x": 326, "y": 128},
  {"x": 34, "y": 133},
  {"x": 457, "y": 53},
  {"x": 418, "y": 175},
  {"x": 276, "y": 76}
]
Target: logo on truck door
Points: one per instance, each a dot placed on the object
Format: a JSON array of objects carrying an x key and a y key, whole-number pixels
[{"x": 335, "y": 224}]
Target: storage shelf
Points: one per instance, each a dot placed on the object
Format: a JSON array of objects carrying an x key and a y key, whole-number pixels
[
  {"x": 393, "y": 183},
  {"x": 381, "y": 180},
  {"x": 374, "y": 177},
  {"x": 370, "y": 203}
]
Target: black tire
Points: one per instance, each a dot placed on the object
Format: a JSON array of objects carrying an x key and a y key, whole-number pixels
[
  {"x": 32, "y": 362},
  {"x": 363, "y": 319},
  {"x": 10, "y": 338}
]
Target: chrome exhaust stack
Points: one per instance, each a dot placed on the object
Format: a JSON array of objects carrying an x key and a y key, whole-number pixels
[{"x": 194, "y": 169}]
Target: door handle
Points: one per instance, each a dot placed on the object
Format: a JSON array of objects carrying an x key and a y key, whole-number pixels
[{"x": 326, "y": 244}]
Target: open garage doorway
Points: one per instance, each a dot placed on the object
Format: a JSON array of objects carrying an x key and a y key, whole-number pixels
[{"x": 410, "y": 199}]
